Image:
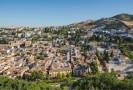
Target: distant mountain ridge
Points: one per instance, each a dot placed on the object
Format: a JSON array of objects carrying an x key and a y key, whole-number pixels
[
  {"x": 83, "y": 25},
  {"x": 124, "y": 17},
  {"x": 119, "y": 21}
]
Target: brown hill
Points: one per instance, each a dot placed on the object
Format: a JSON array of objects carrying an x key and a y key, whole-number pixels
[
  {"x": 125, "y": 18},
  {"x": 121, "y": 21}
]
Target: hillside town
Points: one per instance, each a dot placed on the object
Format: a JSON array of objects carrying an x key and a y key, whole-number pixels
[
  {"x": 66, "y": 44},
  {"x": 66, "y": 50}
]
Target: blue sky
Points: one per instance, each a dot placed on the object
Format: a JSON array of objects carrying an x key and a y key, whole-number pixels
[{"x": 59, "y": 12}]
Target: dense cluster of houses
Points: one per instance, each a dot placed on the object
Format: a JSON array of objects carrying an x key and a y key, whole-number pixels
[{"x": 31, "y": 49}]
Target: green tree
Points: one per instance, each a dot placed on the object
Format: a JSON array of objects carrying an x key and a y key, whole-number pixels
[
  {"x": 106, "y": 56},
  {"x": 94, "y": 67},
  {"x": 37, "y": 75},
  {"x": 59, "y": 76}
]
